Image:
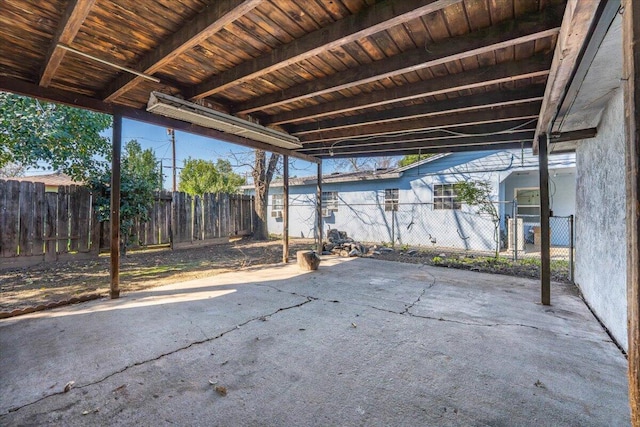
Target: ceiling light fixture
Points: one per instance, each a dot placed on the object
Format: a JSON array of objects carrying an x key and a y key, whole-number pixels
[{"x": 176, "y": 108}]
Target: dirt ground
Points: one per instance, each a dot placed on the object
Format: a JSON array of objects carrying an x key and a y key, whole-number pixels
[
  {"x": 48, "y": 284},
  {"x": 51, "y": 282}
]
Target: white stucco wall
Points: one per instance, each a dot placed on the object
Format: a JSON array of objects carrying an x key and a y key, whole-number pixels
[{"x": 600, "y": 221}]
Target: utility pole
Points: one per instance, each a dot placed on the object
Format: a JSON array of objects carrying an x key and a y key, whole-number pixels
[{"x": 172, "y": 134}]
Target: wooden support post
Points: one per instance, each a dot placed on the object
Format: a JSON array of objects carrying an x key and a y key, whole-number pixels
[
  {"x": 319, "y": 210},
  {"x": 115, "y": 206},
  {"x": 631, "y": 82},
  {"x": 545, "y": 238},
  {"x": 285, "y": 215}
]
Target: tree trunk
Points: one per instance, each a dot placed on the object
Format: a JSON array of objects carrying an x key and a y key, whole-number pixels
[
  {"x": 262, "y": 175},
  {"x": 260, "y": 229}
]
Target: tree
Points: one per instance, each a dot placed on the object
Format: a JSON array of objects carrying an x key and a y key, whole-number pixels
[
  {"x": 356, "y": 164},
  {"x": 11, "y": 170},
  {"x": 142, "y": 163},
  {"x": 262, "y": 174},
  {"x": 479, "y": 194},
  {"x": 51, "y": 136},
  {"x": 138, "y": 182},
  {"x": 203, "y": 176},
  {"x": 231, "y": 181},
  {"x": 410, "y": 159}
]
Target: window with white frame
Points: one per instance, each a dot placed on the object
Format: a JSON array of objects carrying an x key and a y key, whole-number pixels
[
  {"x": 330, "y": 200},
  {"x": 444, "y": 197},
  {"x": 391, "y": 199},
  {"x": 277, "y": 202}
]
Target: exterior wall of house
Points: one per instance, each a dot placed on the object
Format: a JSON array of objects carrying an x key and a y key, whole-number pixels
[
  {"x": 600, "y": 224},
  {"x": 562, "y": 187},
  {"x": 361, "y": 211}
]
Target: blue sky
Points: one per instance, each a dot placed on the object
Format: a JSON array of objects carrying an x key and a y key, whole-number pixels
[{"x": 189, "y": 145}]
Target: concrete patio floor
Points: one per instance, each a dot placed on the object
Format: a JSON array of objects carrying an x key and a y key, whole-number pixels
[{"x": 358, "y": 342}]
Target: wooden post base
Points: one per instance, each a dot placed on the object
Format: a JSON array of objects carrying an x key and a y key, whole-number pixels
[{"x": 308, "y": 260}]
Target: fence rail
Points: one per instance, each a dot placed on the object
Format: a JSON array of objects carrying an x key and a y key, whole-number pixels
[{"x": 39, "y": 224}]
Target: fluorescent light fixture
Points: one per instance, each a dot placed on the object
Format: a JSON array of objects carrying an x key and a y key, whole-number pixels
[{"x": 176, "y": 108}]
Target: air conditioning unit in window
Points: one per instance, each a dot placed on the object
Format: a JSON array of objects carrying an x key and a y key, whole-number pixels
[
  {"x": 326, "y": 213},
  {"x": 276, "y": 214}
]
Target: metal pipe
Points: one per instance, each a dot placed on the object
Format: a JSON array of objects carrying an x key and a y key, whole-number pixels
[{"x": 111, "y": 64}]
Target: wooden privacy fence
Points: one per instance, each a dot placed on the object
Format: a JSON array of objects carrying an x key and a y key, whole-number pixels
[{"x": 57, "y": 223}]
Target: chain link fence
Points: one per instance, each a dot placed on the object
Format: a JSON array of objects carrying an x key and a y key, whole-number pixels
[{"x": 441, "y": 229}]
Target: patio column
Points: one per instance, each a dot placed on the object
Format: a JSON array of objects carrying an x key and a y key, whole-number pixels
[
  {"x": 631, "y": 85},
  {"x": 114, "y": 291},
  {"x": 545, "y": 238},
  {"x": 319, "y": 209},
  {"x": 285, "y": 214}
]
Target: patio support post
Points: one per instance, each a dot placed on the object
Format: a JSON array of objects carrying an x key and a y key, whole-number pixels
[
  {"x": 319, "y": 209},
  {"x": 631, "y": 85},
  {"x": 114, "y": 290},
  {"x": 285, "y": 215},
  {"x": 545, "y": 238}
]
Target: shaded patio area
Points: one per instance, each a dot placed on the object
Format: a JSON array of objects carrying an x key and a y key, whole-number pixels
[{"x": 400, "y": 345}]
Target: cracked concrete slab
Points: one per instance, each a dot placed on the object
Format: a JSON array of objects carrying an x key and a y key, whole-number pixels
[{"x": 358, "y": 342}]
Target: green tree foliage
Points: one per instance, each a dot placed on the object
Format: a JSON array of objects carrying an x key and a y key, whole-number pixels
[
  {"x": 139, "y": 179},
  {"x": 142, "y": 163},
  {"x": 478, "y": 194},
  {"x": 51, "y": 136},
  {"x": 411, "y": 159},
  {"x": 203, "y": 176}
]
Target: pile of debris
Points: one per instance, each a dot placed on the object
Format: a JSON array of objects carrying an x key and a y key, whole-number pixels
[{"x": 340, "y": 244}]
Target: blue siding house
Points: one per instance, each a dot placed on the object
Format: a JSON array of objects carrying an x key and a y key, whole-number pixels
[{"x": 417, "y": 204}]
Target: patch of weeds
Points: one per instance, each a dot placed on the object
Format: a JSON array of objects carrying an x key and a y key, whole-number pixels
[{"x": 404, "y": 248}]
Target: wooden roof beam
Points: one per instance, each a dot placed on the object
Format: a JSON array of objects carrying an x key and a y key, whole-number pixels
[
  {"x": 433, "y": 134},
  {"x": 448, "y": 106},
  {"x": 501, "y": 73},
  {"x": 527, "y": 111},
  {"x": 525, "y": 29},
  {"x": 435, "y": 150},
  {"x": 72, "y": 19},
  {"x": 579, "y": 18},
  {"x": 377, "y": 18},
  {"x": 392, "y": 147},
  {"x": 212, "y": 19}
]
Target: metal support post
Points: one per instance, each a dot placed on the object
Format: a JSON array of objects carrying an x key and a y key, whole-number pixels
[
  {"x": 285, "y": 214},
  {"x": 545, "y": 241},
  {"x": 114, "y": 290}
]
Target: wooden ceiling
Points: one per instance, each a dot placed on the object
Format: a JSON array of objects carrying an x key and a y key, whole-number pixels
[{"x": 348, "y": 77}]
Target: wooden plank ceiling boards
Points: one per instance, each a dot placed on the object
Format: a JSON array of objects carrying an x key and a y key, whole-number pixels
[{"x": 347, "y": 77}]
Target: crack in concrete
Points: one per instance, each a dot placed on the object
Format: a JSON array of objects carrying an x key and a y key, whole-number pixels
[
  {"x": 407, "y": 311},
  {"x": 195, "y": 343}
]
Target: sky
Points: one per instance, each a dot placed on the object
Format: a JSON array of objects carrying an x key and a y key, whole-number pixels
[{"x": 198, "y": 147}]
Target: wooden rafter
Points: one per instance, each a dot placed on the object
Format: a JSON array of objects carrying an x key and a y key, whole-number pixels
[
  {"x": 526, "y": 111},
  {"x": 508, "y": 71},
  {"x": 448, "y": 106},
  {"x": 374, "y": 19},
  {"x": 579, "y": 17},
  {"x": 522, "y": 30},
  {"x": 390, "y": 145},
  {"x": 72, "y": 19},
  {"x": 208, "y": 22},
  {"x": 431, "y": 134},
  {"x": 437, "y": 148}
]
